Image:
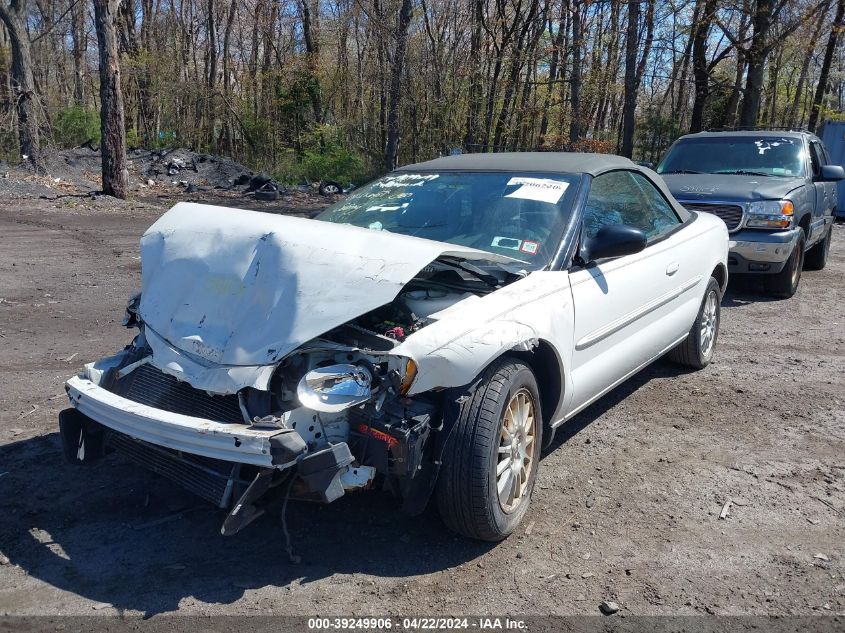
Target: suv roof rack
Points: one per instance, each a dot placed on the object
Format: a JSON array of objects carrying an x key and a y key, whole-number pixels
[{"x": 758, "y": 128}]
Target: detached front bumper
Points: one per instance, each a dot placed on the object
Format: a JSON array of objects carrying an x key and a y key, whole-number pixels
[
  {"x": 761, "y": 252},
  {"x": 239, "y": 443}
]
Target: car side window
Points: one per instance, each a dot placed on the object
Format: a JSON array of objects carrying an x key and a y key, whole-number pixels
[
  {"x": 826, "y": 155},
  {"x": 816, "y": 158},
  {"x": 625, "y": 197}
]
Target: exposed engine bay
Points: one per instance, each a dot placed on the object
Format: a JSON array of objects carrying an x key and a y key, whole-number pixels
[{"x": 336, "y": 411}]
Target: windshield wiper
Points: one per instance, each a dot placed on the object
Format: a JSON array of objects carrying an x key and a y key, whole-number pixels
[
  {"x": 682, "y": 171},
  {"x": 742, "y": 172},
  {"x": 475, "y": 271}
]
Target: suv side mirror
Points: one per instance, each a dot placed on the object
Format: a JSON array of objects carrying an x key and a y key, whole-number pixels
[
  {"x": 614, "y": 240},
  {"x": 645, "y": 163},
  {"x": 831, "y": 173}
]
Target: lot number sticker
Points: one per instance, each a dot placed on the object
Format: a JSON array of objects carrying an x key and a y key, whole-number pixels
[{"x": 538, "y": 189}]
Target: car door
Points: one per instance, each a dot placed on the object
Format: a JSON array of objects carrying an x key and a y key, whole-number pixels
[
  {"x": 627, "y": 308},
  {"x": 822, "y": 191},
  {"x": 831, "y": 188}
]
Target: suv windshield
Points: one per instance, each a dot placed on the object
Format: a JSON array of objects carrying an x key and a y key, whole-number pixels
[
  {"x": 745, "y": 155},
  {"x": 521, "y": 215}
]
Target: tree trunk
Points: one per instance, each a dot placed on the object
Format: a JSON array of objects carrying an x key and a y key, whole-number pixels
[
  {"x": 557, "y": 46},
  {"x": 824, "y": 74},
  {"x": 80, "y": 44},
  {"x": 23, "y": 83},
  {"x": 792, "y": 116},
  {"x": 701, "y": 73},
  {"x": 311, "y": 33},
  {"x": 113, "y": 143},
  {"x": 394, "y": 93},
  {"x": 575, "y": 88},
  {"x": 474, "y": 106},
  {"x": 756, "y": 59},
  {"x": 630, "y": 105}
]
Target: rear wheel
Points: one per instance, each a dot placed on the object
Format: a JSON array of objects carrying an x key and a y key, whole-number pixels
[
  {"x": 785, "y": 283},
  {"x": 816, "y": 257},
  {"x": 696, "y": 351},
  {"x": 491, "y": 462}
]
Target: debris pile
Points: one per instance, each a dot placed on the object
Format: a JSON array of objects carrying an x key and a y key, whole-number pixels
[{"x": 76, "y": 172}]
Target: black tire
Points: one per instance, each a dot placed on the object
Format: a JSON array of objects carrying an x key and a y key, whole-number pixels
[
  {"x": 696, "y": 350},
  {"x": 785, "y": 283},
  {"x": 267, "y": 193},
  {"x": 81, "y": 444},
  {"x": 467, "y": 493},
  {"x": 816, "y": 257}
]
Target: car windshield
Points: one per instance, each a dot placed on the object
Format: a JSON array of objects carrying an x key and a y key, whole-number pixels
[
  {"x": 746, "y": 155},
  {"x": 520, "y": 215}
]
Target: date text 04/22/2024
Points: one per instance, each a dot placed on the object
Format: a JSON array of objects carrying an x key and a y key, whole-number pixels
[{"x": 415, "y": 624}]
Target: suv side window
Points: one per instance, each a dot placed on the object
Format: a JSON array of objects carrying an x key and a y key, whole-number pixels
[
  {"x": 625, "y": 197},
  {"x": 816, "y": 158}
]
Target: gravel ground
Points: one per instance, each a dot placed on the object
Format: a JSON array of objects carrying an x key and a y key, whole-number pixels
[{"x": 626, "y": 507}]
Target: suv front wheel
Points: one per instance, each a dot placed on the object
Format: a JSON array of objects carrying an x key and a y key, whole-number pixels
[
  {"x": 785, "y": 283},
  {"x": 816, "y": 258}
]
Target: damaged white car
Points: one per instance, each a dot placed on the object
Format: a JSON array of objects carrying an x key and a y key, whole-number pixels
[{"x": 427, "y": 334}]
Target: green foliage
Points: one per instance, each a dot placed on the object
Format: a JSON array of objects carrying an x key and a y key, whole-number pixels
[
  {"x": 9, "y": 148},
  {"x": 76, "y": 125},
  {"x": 654, "y": 134},
  {"x": 326, "y": 157},
  {"x": 133, "y": 139}
]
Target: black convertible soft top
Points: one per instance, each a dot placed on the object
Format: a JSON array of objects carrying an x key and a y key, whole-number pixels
[{"x": 551, "y": 162}]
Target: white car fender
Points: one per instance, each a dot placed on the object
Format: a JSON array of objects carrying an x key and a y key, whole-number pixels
[{"x": 452, "y": 351}]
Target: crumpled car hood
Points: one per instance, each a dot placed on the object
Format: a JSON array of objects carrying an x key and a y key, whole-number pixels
[{"x": 245, "y": 288}]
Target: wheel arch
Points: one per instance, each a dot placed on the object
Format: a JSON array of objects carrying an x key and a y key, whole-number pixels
[
  {"x": 720, "y": 274},
  {"x": 545, "y": 362}
]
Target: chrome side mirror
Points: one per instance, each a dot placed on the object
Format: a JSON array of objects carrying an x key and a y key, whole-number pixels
[{"x": 334, "y": 388}]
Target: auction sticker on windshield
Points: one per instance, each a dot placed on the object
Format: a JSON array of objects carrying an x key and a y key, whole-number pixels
[{"x": 539, "y": 189}]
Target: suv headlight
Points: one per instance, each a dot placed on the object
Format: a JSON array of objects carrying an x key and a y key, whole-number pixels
[{"x": 770, "y": 214}]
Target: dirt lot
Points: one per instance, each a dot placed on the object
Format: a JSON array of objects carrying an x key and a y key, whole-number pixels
[{"x": 627, "y": 504}]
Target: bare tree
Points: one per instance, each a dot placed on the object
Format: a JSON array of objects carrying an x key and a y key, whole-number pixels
[
  {"x": 113, "y": 142},
  {"x": 14, "y": 15},
  {"x": 394, "y": 92},
  {"x": 634, "y": 69},
  {"x": 821, "y": 87},
  {"x": 575, "y": 80}
]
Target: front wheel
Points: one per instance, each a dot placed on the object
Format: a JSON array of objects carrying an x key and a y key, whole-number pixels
[
  {"x": 491, "y": 460},
  {"x": 696, "y": 351},
  {"x": 785, "y": 283},
  {"x": 816, "y": 258}
]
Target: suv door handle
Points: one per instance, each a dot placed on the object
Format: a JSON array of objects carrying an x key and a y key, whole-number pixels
[{"x": 672, "y": 268}]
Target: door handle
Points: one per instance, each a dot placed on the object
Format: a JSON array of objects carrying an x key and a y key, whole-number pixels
[{"x": 672, "y": 268}]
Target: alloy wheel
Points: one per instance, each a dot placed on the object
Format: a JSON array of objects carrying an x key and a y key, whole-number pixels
[
  {"x": 709, "y": 323},
  {"x": 516, "y": 450}
]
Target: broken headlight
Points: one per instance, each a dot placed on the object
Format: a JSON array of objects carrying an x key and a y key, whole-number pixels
[
  {"x": 131, "y": 317},
  {"x": 335, "y": 388},
  {"x": 770, "y": 214}
]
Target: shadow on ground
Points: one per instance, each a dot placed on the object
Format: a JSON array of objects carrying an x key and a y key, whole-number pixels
[{"x": 118, "y": 535}]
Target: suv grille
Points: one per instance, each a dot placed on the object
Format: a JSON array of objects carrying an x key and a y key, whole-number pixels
[
  {"x": 731, "y": 214},
  {"x": 147, "y": 385}
]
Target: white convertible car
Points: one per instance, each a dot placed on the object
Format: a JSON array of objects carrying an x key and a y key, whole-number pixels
[{"x": 427, "y": 334}]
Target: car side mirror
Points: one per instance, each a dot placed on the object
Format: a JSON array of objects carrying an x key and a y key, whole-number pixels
[
  {"x": 614, "y": 240},
  {"x": 645, "y": 163},
  {"x": 831, "y": 173}
]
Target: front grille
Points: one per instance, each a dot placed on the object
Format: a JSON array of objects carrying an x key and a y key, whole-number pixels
[
  {"x": 210, "y": 479},
  {"x": 731, "y": 214},
  {"x": 152, "y": 387}
]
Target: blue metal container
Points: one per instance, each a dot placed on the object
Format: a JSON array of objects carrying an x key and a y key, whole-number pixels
[{"x": 833, "y": 136}]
